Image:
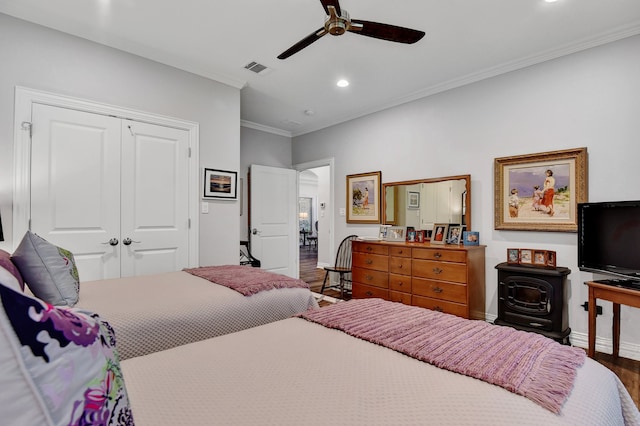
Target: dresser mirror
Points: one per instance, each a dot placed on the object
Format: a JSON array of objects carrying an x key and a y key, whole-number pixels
[{"x": 421, "y": 203}]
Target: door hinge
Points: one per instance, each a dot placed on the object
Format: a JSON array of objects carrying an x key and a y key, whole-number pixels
[
  {"x": 189, "y": 152},
  {"x": 189, "y": 223},
  {"x": 27, "y": 126}
]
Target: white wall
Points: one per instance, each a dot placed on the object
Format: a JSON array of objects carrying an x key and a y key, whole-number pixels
[
  {"x": 588, "y": 99},
  {"x": 44, "y": 59}
]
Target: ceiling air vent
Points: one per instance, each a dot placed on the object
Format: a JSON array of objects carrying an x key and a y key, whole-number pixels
[{"x": 256, "y": 67}]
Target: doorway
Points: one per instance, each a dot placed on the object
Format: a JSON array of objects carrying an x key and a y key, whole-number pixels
[{"x": 316, "y": 183}]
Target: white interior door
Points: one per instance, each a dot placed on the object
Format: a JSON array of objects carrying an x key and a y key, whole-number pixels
[
  {"x": 155, "y": 213},
  {"x": 112, "y": 191},
  {"x": 75, "y": 186},
  {"x": 273, "y": 221}
]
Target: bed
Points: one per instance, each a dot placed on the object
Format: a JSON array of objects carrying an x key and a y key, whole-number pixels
[
  {"x": 297, "y": 371},
  {"x": 154, "y": 312}
]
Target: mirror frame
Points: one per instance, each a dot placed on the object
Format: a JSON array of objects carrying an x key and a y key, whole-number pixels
[{"x": 467, "y": 200}]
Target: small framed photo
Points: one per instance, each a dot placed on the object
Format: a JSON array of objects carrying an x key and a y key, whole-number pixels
[
  {"x": 413, "y": 200},
  {"x": 455, "y": 234},
  {"x": 396, "y": 233},
  {"x": 526, "y": 257},
  {"x": 439, "y": 233},
  {"x": 420, "y": 236},
  {"x": 427, "y": 234},
  {"x": 382, "y": 234},
  {"x": 513, "y": 256},
  {"x": 540, "y": 257},
  {"x": 551, "y": 259},
  {"x": 220, "y": 184},
  {"x": 471, "y": 238},
  {"x": 411, "y": 235}
]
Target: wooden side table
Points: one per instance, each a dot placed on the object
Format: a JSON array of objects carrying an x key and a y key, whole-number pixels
[{"x": 616, "y": 294}]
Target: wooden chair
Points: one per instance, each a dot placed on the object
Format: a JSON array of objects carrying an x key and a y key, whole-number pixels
[
  {"x": 313, "y": 238},
  {"x": 341, "y": 267}
]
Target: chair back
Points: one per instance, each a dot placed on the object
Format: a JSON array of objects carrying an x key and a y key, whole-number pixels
[{"x": 343, "y": 256}]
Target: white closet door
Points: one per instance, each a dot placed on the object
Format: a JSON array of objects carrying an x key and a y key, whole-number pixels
[
  {"x": 75, "y": 186},
  {"x": 155, "y": 213},
  {"x": 114, "y": 192}
]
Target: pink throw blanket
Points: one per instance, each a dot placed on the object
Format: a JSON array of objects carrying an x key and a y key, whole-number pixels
[
  {"x": 527, "y": 364},
  {"x": 246, "y": 279}
]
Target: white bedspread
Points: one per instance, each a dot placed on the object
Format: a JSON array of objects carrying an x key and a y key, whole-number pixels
[
  {"x": 156, "y": 312},
  {"x": 294, "y": 372}
]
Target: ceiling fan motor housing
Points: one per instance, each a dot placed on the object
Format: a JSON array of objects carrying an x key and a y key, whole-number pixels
[{"x": 337, "y": 25}]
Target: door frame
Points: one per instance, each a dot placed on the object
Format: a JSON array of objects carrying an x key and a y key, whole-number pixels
[
  {"x": 26, "y": 97},
  {"x": 322, "y": 163}
]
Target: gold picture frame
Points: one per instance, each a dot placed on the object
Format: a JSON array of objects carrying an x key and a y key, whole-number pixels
[
  {"x": 540, "y": 192},
  {"x": 439, "y": 233},
  {"x": 363, "y": 197}
]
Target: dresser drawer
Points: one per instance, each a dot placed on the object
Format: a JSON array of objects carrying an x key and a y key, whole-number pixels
[
  {"x": 400, "y": 265},
  {"x": 370, "y": 277},
  {"x": 400, "y": 283},
  {"x": 440, "y": 306},
  {"x": 365, "y": 247},
  {"x": 441, "y": 271},
  {"x": 400, "y": 251},
  {"x": 440, "y": 255},
  {"x": 439, "y": 290},
  {"x": 397, "y": 296},
  {"x": 361, "y": 291},
  {"x": 370, "y": 261}
]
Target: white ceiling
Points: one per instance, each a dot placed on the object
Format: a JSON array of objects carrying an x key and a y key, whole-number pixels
[{"x": 466, "y": 40}]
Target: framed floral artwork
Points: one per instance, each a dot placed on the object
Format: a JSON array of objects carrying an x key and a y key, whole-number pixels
[{"x": 363, "y": 197}]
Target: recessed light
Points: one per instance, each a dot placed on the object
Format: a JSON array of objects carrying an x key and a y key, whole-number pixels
[
  {"x": 550, "y": 1},
  {"x": 342, "y": 83}
]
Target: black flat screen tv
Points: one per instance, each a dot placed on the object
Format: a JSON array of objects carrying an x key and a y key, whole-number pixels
[{"x": 609, "y": 238}]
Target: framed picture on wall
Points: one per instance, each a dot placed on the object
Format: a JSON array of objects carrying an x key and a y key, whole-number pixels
[
  {"x": 413, "y": 200},
  {"x": 363, "y": 198},
  {"x": 220, "y": 184}
]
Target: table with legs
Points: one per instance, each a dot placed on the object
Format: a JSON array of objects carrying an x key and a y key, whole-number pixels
[{"x": 613, "y": 293}]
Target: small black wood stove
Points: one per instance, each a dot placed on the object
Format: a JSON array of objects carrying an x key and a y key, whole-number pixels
[{"x": 534, "y": 299}]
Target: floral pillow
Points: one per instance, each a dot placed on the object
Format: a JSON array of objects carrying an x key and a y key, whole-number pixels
[
  {"x": 49, "y": 271},
  {"x": 58, "y": 365}
]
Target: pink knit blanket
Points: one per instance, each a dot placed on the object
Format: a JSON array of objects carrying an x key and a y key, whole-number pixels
[
  {"x": 524, "y": 363},
  {"x": 246, "y": 279}
]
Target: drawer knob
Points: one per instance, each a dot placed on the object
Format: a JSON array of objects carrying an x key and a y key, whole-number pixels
[
  {"x": 400, "y": 252},
  {"x": 368, "y": 293},
  {"x": 400, "y": 283},
  {"x": 400, "y": 266},
  {"x": 368, "y": 261},
  {"x": 368, "y": 277},
  {"x": 437, "y": 271},
  {"x": 437, "y": 290},
  {"x": 437, "y": 308},
  {"x": 437, "y": 255},
  {"x": 369, "y": 248}
]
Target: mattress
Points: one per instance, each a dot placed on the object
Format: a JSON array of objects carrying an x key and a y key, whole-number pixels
[
  {"x": 155, "y": 312},
  {"x": 294, "y": 372}
]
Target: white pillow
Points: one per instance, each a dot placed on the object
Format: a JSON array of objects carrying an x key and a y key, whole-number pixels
[{"x": 49, "y": 271}]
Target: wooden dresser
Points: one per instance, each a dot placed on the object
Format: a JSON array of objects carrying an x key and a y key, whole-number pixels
[{"x": 446, "y": 278}]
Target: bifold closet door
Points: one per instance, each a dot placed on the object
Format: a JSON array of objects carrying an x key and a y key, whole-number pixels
[{"x": 112, "y": 191}]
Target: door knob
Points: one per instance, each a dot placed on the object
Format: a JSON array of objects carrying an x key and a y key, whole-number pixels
[
  {"x": 255, "y": 231},
  {"x": 112, "y": 242},
  {"x": 127, "y": 241}
]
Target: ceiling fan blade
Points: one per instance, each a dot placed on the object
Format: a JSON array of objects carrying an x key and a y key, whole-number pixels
[
  {"x": 334, "y": 3},
  {"x": 385, "y": 31},
  {"x": 315, "y": 36}
]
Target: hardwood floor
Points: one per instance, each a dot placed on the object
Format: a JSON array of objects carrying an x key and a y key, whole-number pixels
[{"x": 627, "y": 370}]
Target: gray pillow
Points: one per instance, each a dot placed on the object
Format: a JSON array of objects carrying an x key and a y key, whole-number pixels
[{"x": 49, "y": 271}]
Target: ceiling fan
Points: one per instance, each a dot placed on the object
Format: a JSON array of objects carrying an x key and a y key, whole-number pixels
[{"x": 338, "y": 22}]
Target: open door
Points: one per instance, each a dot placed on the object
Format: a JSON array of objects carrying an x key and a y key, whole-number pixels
[{"x": 273, "y": 222}]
